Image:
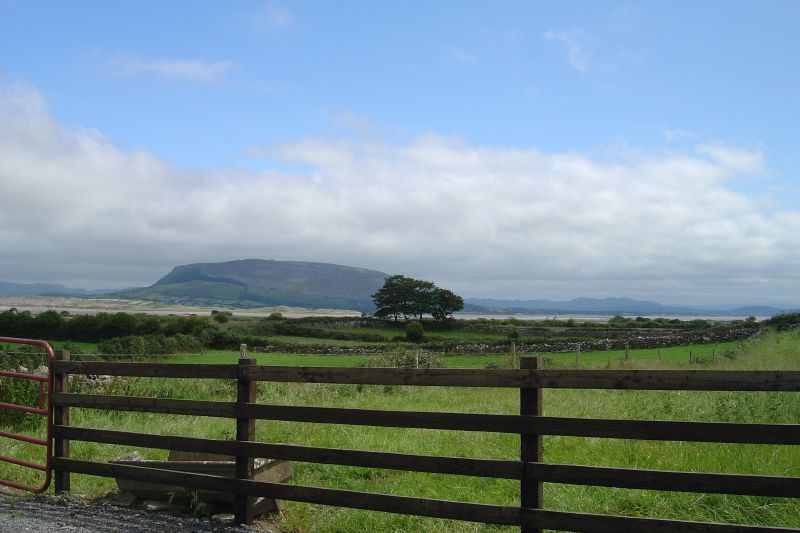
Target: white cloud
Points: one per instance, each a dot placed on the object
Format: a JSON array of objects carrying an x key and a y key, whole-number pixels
[
  {"x": 463, "y": 57},
  {"x": 736, "y": 159},
  {"x": 271, "y": 15},
  {"x": 676, "y": 134},
  {"x": 176, "y": 69},
  {"x": 481, "y": 220},
  {"x": 575, "y": 42}
]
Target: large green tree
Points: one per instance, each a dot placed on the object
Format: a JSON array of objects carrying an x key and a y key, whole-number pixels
[
  {"x": 395, "y": 298},
  {"x": 409, "y": 297},
  {"x": 444, "y": 303}
]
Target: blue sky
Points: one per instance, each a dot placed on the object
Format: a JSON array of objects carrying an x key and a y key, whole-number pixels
[{"x": 510, "y": 149}]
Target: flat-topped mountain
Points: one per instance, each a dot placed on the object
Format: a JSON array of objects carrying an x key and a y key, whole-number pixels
[{"x": 261, "y": 283}]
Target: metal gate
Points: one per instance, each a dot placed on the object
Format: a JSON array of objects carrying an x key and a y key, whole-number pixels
[{"x": 45, "y": 397}]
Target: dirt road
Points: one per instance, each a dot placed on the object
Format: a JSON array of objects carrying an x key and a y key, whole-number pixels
[{"x": 57, "y": 514}]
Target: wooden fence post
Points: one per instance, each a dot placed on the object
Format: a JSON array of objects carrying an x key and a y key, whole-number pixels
[
  {"x": 245, "y": 431},
  {"x": 530, "y": 403},
  {"x": 61, "y": 418},
  {"x": 578, "y": 356}
]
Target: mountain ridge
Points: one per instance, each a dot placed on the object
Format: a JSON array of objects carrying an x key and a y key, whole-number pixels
[
  {"x": 8, "y": 288},
  {"x": 611, "y": 306},
  {"x": 260, "y": 283}
]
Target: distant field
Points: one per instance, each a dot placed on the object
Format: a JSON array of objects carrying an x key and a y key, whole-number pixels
[
  {"x": 676, "y": 355},
  {"x": 314, "y": 340}
]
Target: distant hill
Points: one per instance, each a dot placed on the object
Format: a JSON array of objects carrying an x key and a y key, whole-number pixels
[
  {"x": 607, "y": 306},
  {"x": 44, "y": 289},
  {"x": 261, "y": 283}
]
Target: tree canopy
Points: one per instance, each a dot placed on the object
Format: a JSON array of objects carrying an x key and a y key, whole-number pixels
[{"x": 409, "y": 297}]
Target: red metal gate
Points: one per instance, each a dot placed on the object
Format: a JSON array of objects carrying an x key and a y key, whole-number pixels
[{"x": 45, "y": 382}]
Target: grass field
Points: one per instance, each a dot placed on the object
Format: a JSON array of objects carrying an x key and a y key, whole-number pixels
[
  {"x": 774, "y": 351},
  {"x": 673, "y": 356}
]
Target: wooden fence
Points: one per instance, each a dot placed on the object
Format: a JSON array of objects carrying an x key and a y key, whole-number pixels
[{"x": 530, "y": 425}]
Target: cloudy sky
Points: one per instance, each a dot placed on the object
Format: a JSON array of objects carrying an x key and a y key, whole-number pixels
[{"x": 504, "y": 149}]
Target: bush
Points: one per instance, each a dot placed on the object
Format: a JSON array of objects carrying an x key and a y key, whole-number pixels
[
  {"x": 415, "y": 332},
  {"x": 402, "y": 359},
  {"x": 150, "y": 345},
  {"x": 20, "y": 392}
]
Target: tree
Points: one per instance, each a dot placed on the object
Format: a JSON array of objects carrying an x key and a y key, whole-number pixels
[
  {"x": 405, "y": 296},
  {"x": 395, "y": 298},
  {"x": 423, "y": 295},
  {"x": 444, "y": 303}
]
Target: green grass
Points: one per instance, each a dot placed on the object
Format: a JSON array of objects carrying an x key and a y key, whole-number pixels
[
  {"x": 315, "y": 340},
  {"x": 673, "y": 354},
  {"x": 781, "y": 351},
  {"x": 85, "y": 347}
]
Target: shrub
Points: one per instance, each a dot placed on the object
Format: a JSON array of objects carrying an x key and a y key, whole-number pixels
[
  {"x": 150, "y": 345},
  {"x": 189, "y": 501},
  {"x": 20, "y": 392},
  {"x": 402, "y": 359},
  {"x": 415, "y": 332}
]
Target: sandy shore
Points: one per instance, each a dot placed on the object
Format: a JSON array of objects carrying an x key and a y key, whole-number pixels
[{"x": 90, "y": 306}]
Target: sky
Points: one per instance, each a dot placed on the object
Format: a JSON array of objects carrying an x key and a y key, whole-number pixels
[{"x": 499, "y": 149}]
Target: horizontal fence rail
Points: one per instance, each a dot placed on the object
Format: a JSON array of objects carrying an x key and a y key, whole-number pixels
[
  {"x": 698, "y": 380},
  {"x": 726, "y": 432},
  {"x": 530, "y": 470}
]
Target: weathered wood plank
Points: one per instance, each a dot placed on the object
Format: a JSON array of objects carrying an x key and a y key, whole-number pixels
[
  {"x": 245, "y": 431},
  {"x": 757, "y": 380},
  {"x": 61, "y": 418},
  {"x": 669, "y": 430},
  {"x": 531, "y": 444},
  {"x": 147, "y": 369},
  {"x": 594, "y": 523},
  {"x": 375, "y": 417},
  {"x": 705, "y": 380},
  {"x": 544, "y": 425},
  {"x": 473, "y": 512},
  {"x": 147, "y": 405},
  {"x": 391, "y": 461},
  {"x": 742, "y": 484}
]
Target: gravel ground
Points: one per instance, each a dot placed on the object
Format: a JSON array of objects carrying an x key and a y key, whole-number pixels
[{"x": 57, "y": 514}]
